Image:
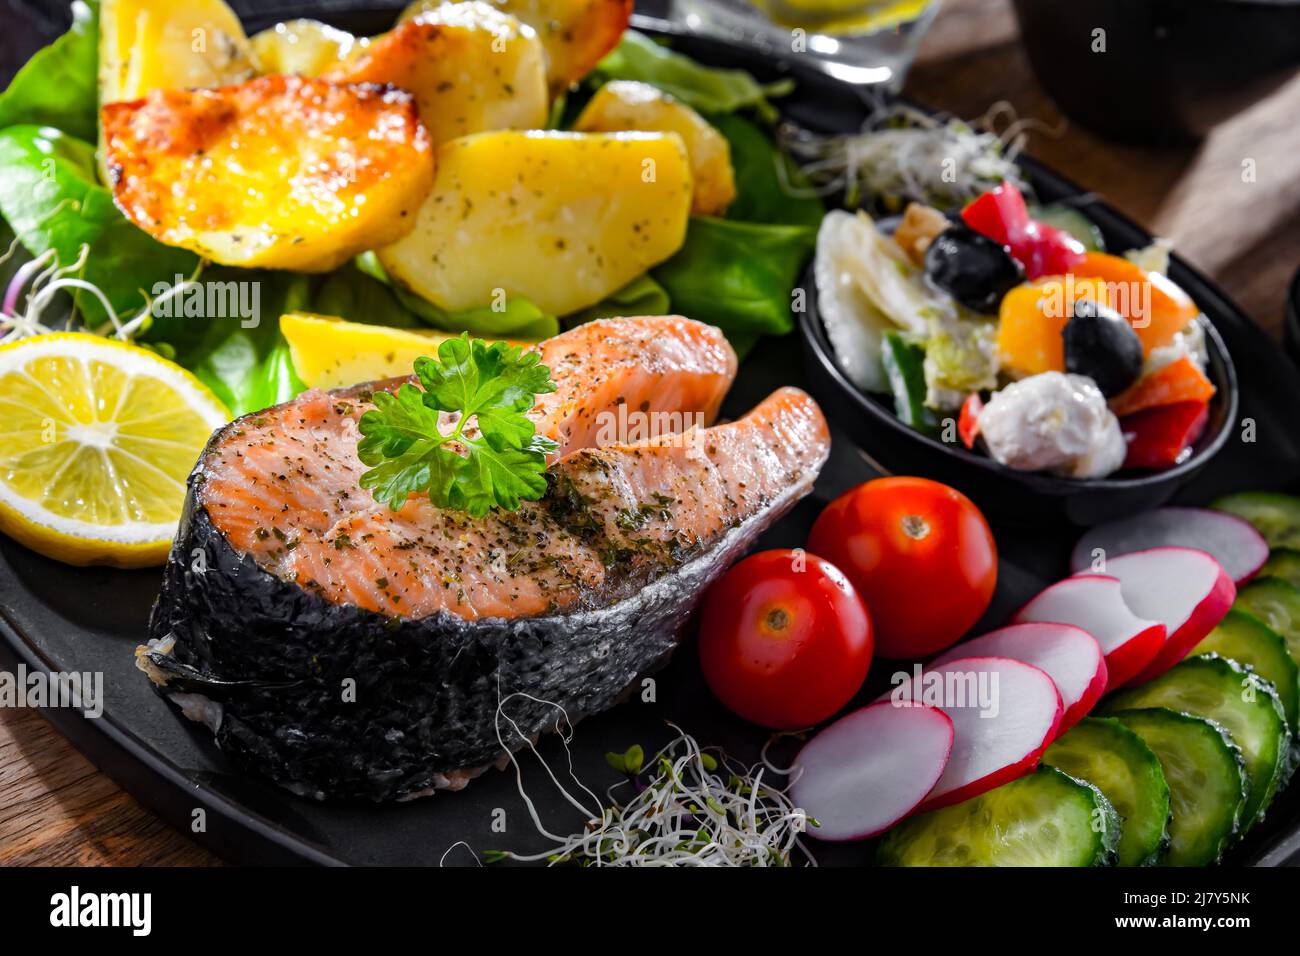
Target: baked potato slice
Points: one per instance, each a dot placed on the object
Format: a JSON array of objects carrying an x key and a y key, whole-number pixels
[
  {"x": 561, "y": 219},
  {"x": 471, "y": 68},
  {"x": 575, "y": 33},
  {"x": 282, "y": 172},
  {"x": 305, "y": 47},
  {"x": 147, "y": 45},
  {"x": 625, "y": 105}
]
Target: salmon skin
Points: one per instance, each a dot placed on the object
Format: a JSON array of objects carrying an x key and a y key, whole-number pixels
[{"x": 350, "y": 652}]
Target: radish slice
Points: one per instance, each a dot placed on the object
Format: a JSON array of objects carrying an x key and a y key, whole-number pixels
[
  {"x": 870, "y": 769},
  {"x": 1095, "y": 602},
  {"x": 1232, "y": 541},
  {"x": 1069, "y": 655},
  {"x": 1004, "y": 714},
  {"x": 1185, "y": 590}
]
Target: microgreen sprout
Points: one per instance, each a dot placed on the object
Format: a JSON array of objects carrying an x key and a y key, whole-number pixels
[
  {"x": 687, "y": 806},
  {"x": 903, "y": 154},
  {"x": 43, "y": 278}
]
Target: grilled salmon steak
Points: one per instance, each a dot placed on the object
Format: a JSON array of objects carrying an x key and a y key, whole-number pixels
[{"x": 306, "y": 581}]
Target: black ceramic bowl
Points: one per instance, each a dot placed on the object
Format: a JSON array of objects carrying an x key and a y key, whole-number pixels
[
  {"x": 1170, "y": 69},
  {"x": 1015, "y": 496},
  {"x": 1291, "y": 326}
]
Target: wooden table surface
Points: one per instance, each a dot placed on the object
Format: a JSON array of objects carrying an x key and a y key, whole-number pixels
[{"x": 55, "y": 808}]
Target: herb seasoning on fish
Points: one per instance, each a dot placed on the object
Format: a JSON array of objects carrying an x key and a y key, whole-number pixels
[{"x": 569, "y": 598}]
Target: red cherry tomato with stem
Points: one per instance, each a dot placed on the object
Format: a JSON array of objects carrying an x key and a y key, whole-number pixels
[
  {"x": 921, "y": 556},
  {"x": 785, "y": 641}
]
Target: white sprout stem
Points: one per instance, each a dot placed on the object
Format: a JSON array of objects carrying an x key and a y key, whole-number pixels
[
  {"x": 687, "y": 815},
  {"x": 129, "y": 329},
  {"x": 38, "y": 302},
  {"x": 20, "y": 278}
]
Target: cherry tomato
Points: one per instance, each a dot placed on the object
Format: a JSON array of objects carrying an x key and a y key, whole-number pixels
[
  {"x": 920, "y": 554},
  {"x": 785, "y": 641}
]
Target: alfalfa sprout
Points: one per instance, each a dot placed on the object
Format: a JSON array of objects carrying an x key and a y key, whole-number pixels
[
  {"x": 905, "y": 154},
  {"x": 686, "y": 805}
]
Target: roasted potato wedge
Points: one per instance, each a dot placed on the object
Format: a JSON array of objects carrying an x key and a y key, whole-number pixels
[
  {"x": 147, "y": 45},
  {"x": 562, "y": 219},
  {"x": 305, "y": 47},
  {"x": 329, "y": 352},
  {"x": 282, "y": 171},
  {"x": 624, "y": 105},
  {"x": 471, "y": 68},
  {"x": 575, "y": 33}
]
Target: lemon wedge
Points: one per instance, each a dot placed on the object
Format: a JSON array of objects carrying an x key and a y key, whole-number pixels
[
  {"x": 97, "y": 438},
  {"x": 328, "y": 352}
]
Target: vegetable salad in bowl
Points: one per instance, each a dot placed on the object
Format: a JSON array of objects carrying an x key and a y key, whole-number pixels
[{"x": 1047, "y": 352}]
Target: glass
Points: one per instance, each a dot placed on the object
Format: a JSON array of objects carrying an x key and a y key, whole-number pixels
[{"x": 866, "y": 42}]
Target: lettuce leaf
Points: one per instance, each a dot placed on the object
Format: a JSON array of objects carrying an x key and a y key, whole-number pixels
[
  {"x": 762, "y": 193},
  {"x": 357, "y": 296},
  {"x": 642, "y": 296},
  {"x": 244, "y": 360},
  {"x": 58, "y": 86},
  {"x": 52, "y": 199},
  {"x": 707, "y": 88},
  {"x": 738, "y": 275}
]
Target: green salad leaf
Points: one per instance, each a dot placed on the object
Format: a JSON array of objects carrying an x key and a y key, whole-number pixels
[
  {"x": 243, "y": 359},
  {"x": 52, "y": 199},
  {"x": 707, "y": 88},
  {"x": 642, "y": 296},
  {"x": 358, "y": 296},
  {"x": 58, "y": 86},
  {"x": 763, "y": 194},
  {"x": 504, "y": 462},
  {"x": 738, "y": 276}
]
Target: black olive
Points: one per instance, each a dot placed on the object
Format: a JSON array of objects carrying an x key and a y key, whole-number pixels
[
  {"x": 1100, "y": 344},
  {"x": 971, "y": 268}
]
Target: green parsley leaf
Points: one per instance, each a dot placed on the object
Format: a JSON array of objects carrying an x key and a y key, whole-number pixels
[{"x": 489, "y": 390}]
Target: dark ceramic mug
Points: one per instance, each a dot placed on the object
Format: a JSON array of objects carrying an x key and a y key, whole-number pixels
[{"x": 1159, "y": 71}]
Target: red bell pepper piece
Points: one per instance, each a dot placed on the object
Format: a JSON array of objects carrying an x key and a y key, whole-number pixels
[
  {"x": 1160, "y": 437},
  {"x": 968, "y": 423},
  {"x": 1043, "y": 250}
]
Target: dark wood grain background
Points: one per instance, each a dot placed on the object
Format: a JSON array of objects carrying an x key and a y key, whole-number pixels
[{"x": 55, "y": 808}]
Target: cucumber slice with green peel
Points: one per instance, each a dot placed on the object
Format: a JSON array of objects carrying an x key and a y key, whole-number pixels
[
  {"x": 1277, "y": 604},
  {"x": 1074, "y": 222},
  {"x": 1243, "y": 638},
  {"x": 1283, "y": 563},
  {"x": 1244, "y": 704},
  {"x": 1106, "y": 754},
  {"x": 1207, "y": 781},
  {"x": 1047, "y": 818},
  {"x": 1275, "y": 515}
]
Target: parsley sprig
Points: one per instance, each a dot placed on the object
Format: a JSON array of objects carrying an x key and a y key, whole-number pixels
[{"x": 492, "y": 387}]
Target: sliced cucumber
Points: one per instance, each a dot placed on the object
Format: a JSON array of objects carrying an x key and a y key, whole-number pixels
[
  {"x": 1045, "y": 819},
  {"x": 1276, "y": 516},
  {"x": 1243, "y": 638},
  {"x": 1244, "y": 704},
  {"x": 1070, "y": 220},
  {"x": 1277, "y": 604},
  {"x": 1207, "y": 781},
  {"x": 1114, "y": 759},
  {"x": 1283, "y": 563}
]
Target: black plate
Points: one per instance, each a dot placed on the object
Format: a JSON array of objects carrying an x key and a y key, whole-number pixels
[{"x": 57, "y": 617}]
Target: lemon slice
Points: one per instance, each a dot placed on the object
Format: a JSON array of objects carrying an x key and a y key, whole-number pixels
[
  {"x": 329, "y": 353},
  {"x": 97, "y": 438}
]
